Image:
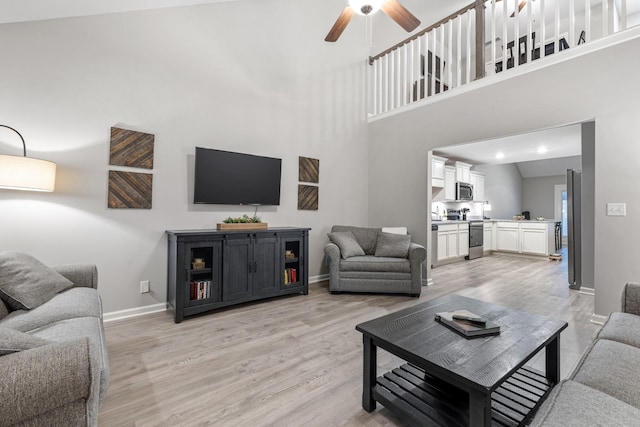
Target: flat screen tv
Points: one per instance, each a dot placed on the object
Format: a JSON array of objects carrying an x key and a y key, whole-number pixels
[{"x": 228, "y": 178}]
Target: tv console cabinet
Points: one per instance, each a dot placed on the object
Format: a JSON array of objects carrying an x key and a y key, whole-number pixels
[{"x": 211, "y": 269}]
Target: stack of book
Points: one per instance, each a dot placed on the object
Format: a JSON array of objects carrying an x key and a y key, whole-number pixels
[
  {"x": 290, "y": 276},
  {"x": 468, "y": 324},
  {"x": 200, "y": 290}
]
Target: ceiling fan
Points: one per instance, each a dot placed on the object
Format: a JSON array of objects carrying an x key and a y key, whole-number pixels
[{"x": 392, "y": 8}]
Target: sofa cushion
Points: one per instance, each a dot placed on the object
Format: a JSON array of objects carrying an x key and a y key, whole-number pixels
[
  {"x": 347, "y": 243},
  {"x": 373, "y": 263},
  {"x": 622, "y": 327},
  {"x": 366, "y": 237},
  {"x": 393, "y": 245},
  {"x": 572, "y": 404},
  {"x": 611, "y": 367},
  {"x": 25, "y": 282},
  {"x": 70, "y": 304},
  {"x": 12, "y": 341}
]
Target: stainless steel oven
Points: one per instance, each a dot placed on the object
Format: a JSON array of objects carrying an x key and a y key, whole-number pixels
[{"x": 476, "y": 239}]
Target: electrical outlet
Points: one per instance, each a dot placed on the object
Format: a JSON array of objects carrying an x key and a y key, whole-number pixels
[{"x": 145, "y": 287}]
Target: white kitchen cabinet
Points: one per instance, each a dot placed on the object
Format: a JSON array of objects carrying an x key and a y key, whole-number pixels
[
  {"x": 463, "y": 240},
  {"x": 533, "y": 241},
  {"x": 442, "y": 246},
  {"x": 526, "y": 237},
  {"x": 437, "y": 171},
  {"x": 488, "y": 240},
  {"x": 507, "y": 236},
  {"x": 477, "y": 180},
  {"x": 447, "y": 241},
  {"x": 452, "y": 245},
  {"x": 463, "y": 172},
  {"x": 449, "y": 183}
]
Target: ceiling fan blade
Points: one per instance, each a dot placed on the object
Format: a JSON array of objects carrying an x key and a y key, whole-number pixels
[
  {"x": 402, "y": 16},
  {"x": 341, "y": 23},
  {"x": 521, "y": 6}
]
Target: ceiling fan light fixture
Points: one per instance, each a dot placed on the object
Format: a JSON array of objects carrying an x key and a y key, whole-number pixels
[{"x": 365, "y": 7}]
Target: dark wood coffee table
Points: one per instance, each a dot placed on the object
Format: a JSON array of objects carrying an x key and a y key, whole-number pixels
[{"x": 452, "y": 380}]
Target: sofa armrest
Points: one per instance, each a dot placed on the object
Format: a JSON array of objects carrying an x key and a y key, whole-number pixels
[
  {"x": 42, "y": 379},
  {"x": 82, "y": 275},
  {"x": 631, "y": 298},
  {"x": 332, "y": 256},
  {"x": 417, "y": 255}
]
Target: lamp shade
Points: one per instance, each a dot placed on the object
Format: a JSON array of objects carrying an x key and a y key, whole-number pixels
[
  {"x": 25, "y": 173},
  {"x": 365, "y": 7}
]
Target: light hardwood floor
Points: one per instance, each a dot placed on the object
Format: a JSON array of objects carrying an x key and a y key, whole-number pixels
[{"x": 297, "y": 361}]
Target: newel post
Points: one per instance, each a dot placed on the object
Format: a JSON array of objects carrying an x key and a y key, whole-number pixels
[{"x": 479, "y": 39}]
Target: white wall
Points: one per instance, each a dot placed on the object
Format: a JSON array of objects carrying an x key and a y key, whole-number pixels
[
  {"x": 250, "y": 76},
  {"x": 596, "y": 81}
]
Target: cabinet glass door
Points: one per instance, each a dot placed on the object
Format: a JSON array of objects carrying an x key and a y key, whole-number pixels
[{"x": 203, "y": 273}]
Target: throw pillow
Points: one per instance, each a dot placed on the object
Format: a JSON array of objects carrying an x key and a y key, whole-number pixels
[
  {"x": 393, "y": 245},
  {"x": 26, "y": 283},
  {"x": 347, "y": 243},
  {"x": 12, "y": 341}
]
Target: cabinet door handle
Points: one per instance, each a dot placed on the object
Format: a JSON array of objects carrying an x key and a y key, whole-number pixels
[
  {"x": 250, "y": 266},
  {"x": 255, "y": 267}
]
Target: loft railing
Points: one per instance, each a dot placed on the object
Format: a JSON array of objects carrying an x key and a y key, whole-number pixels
[{"x": 479, "y": 40}]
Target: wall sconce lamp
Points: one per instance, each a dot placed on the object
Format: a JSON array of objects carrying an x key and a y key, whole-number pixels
[{"x": 26, "y": 173}]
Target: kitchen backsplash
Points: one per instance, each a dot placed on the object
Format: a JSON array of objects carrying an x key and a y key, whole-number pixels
[{"x": 439, "y": 209}]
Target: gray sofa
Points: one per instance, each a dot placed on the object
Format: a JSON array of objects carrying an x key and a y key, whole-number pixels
[
  {"x": 604, "y": 388},
  {"x": 53, "y": 360},
  {"x": 366, "y": 272}
]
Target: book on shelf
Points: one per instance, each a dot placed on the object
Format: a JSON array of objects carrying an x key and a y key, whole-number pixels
[
  {"x": 199, "y": 290},
  {"x": 290, "y": 276},
  {"x": 467, "y": 328}
]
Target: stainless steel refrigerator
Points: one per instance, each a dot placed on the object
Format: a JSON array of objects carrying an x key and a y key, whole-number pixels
[{"x": 574, "y": 225}]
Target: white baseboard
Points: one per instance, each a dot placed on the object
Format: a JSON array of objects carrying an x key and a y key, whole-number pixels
[
  {"x": 133, "y": 312},
  {"x": 587, "y": 291},
  {"x": 427, "y": 282},
  {"x": 598, "y": 319},
  {"x": 319, "y": 278},
  {"x": 155, "y": 308}
]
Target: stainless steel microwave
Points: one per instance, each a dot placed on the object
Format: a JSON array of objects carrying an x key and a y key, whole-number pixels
[{"x": 464, "y": 191}]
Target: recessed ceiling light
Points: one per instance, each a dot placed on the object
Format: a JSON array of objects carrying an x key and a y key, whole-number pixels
[
  {"x": 542, "y": 150},
  {"x": 500, "y": 155}
]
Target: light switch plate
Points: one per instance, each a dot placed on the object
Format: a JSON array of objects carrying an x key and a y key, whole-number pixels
[{"x": 616, "y": 209}]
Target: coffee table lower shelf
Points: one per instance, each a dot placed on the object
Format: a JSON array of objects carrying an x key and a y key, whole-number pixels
[{"x": 424, "y": 400}]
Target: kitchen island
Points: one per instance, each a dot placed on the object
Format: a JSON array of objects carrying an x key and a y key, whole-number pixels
[{"x": 529, "y": 237}]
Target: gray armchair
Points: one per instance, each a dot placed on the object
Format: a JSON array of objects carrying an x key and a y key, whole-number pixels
[{"x": 363, "y": 271}]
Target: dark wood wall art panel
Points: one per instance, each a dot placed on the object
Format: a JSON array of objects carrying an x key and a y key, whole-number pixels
[
  {"x": 131, "y": 148},
  {"x": 309, "y": 170},
  {"x": 307, "y": 198},
  {"x": 130, "y": 190}
]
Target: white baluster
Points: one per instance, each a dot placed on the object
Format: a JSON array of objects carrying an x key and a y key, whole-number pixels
[
  {"x": 556, "y": 25},
  {"x": 516, "y": 35},
  {"x": 493, "y": 37},
  {"x": 572, "y": 23},
  {"x": 530, "y": 38},
  {"x": 587, "y": 20},
  {"x": 450, "y": 55},
  {"x": 425, "y": 71},
  {"x": 442, "y": 58},
  {"x": 605, "y": 18},
  {"x": 459, "y": 52},
  {"x": 434, "y": 53},
  {"x": 505, "y": 34},
  {"x": 543, "y": 29},
  {"x": 469, "y": 30},
  {"x": 623, "y": 15}
]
